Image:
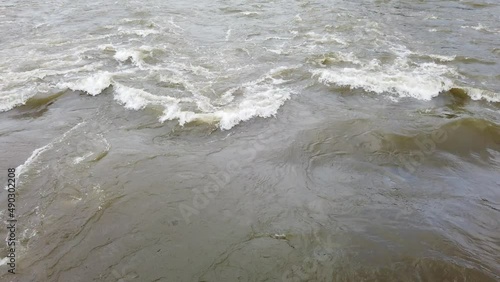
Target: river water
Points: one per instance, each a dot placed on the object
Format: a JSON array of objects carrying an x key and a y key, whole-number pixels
[{"x": 252, "y": 140}]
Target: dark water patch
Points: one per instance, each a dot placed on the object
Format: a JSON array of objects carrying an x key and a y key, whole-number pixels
[
  {"x": 480, "y": 5},
  {"x": 36, "y": 106},
  {"x": 459, "y": 94},
  {"x": 41, "y": 100},
  {"x": 197, "y": 132},
  {"x": 468, "y": 138},
  {"x": 455, "y": 99},
  {"x": 471, "y": 135},
  {"x": 464, "y": 137}
]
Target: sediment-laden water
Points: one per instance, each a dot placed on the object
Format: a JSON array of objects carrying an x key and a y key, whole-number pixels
[{"x": 252, "y": 140}]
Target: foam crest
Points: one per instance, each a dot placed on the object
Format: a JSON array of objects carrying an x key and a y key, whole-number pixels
[
  {"x": 260, "y": 98},
  {"x": 137, "y": 99},
  {"x": 19, "y": 87},
  {"x": 12, "y": 99},
  {"x": 443, "y": 58},
  {"x": 261, "y": 101},
  {"x": 135, "y": 56},
  {"x": 421, "y": 81},
  {"x": 481, "y": 94},
  {"x": 92, "y": 85}
]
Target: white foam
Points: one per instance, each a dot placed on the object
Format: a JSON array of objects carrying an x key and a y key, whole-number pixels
[
  {"x": 403, "y": 52},
  {"x": 477, "y": 27},
  {"x": 249, "y": 13},
  {"x": 78, "y": 160},
  {"x": 12, "y": 99},
  {"x": 139, "y": 32},
  {"x": 137, "y": 99},
  {"x": 275, "y": 51},
  {"x": 19, "y": 87},
  {"x": 420, "y": 81},
  {"x": 260, "y": 98},
  {"x": 402, "y": 78},
  {"x": 4, "y": 261},
  {"x": 480, "y": 27},
  {"x": 92, "y": 85},
  {"x": 325, "y": 38},
  {"x": 261, "y": 101},
  {"x": 145, "y": 32},
  {"x": 134, "y": 55},
  {"x": 171, "y": 21}
]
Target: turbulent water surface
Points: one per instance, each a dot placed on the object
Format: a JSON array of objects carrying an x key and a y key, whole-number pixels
[{"x": 252, "y": 140}]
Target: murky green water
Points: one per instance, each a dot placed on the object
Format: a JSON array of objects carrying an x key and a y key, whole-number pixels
[{"x": 252, "y": 141}]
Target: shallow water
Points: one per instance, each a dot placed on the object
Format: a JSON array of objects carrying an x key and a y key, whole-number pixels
[{"x": 263, "y": 141}]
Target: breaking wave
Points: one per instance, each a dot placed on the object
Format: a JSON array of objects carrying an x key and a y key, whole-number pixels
[{"x": 259, "y": 98}]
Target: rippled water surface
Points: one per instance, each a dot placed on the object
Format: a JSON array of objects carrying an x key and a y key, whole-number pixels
[{"x": 252, "y": 140}]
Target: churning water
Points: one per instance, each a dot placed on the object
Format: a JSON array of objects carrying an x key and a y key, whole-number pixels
[{"x": 252, "y": 140}]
